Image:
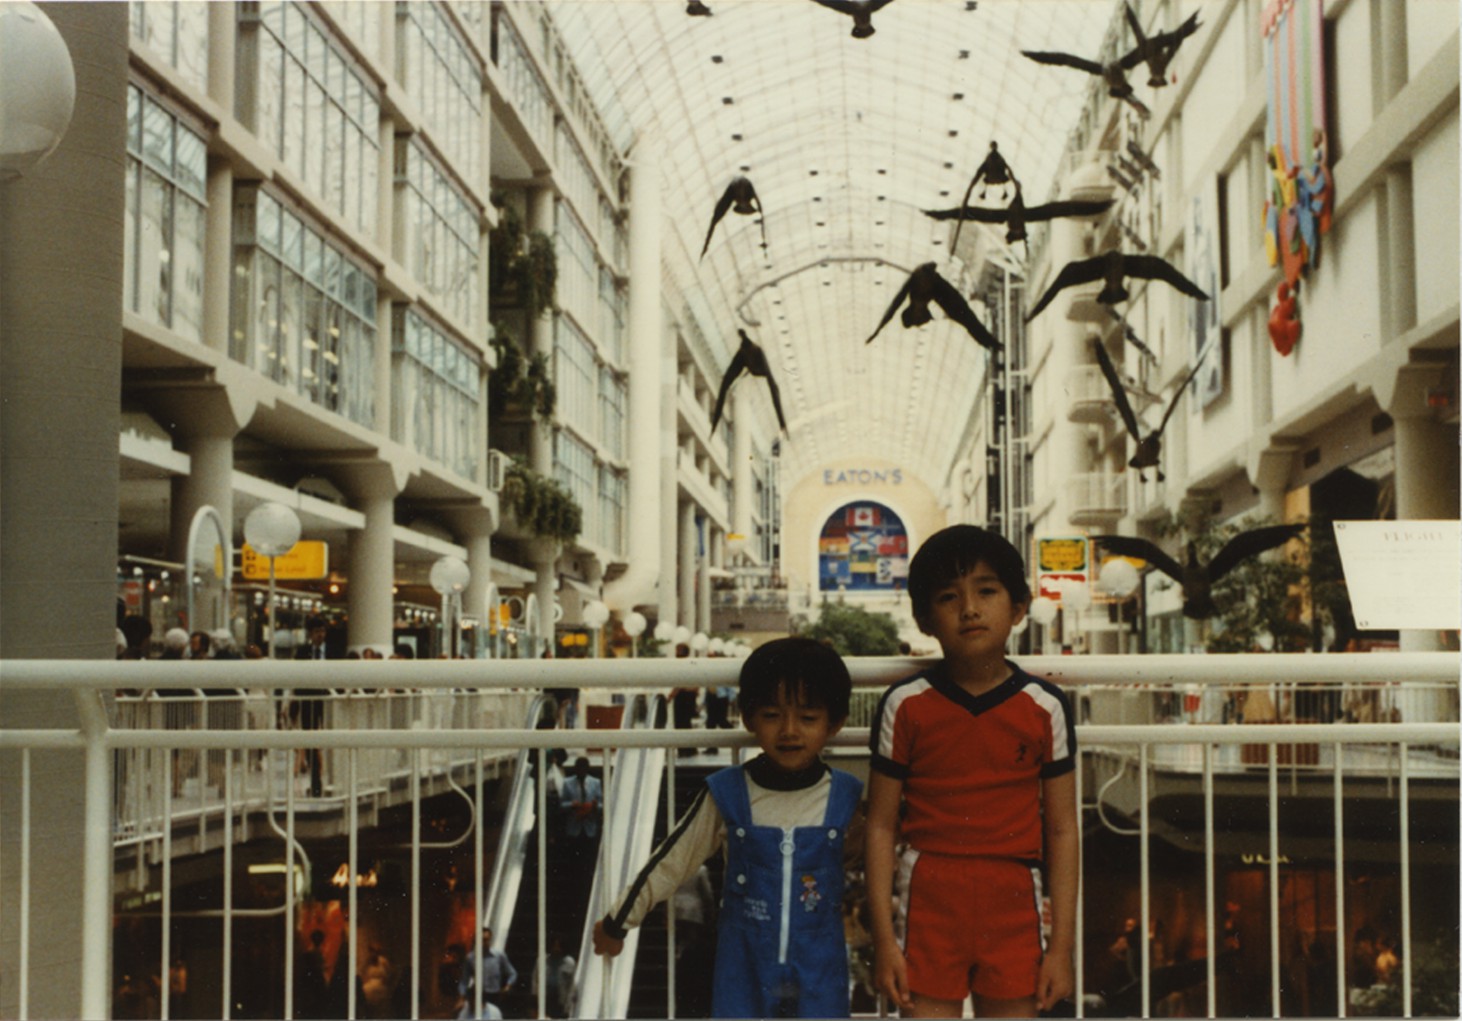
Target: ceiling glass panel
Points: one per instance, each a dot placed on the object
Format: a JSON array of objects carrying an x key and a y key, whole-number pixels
[{"x": 845, "y": 140}]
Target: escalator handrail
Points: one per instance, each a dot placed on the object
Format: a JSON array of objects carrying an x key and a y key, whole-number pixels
[
  {"x": 635, "y": 766},
  {"x": 497, "y": 911}
]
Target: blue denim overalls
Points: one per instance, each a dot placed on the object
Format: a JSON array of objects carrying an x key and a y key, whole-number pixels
[{"x": 782, "y": 952}]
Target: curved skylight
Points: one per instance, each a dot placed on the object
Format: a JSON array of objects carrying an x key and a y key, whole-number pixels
[{"x": 845, "y": 140}]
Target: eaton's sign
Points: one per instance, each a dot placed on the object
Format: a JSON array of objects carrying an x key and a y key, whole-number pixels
[{"x": 863, "y": 477}]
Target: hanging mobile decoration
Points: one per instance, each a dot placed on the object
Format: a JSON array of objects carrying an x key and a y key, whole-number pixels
[{"x": 1302, "y": 193}]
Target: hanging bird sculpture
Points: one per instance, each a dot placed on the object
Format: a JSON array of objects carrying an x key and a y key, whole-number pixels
[
  {"x": 925, "y": 285},
  {"x": 749, "y": 357},
  {"x": 1114, "y": 74},
  {"x": 1112, "y": 268},
  {"x": 861, "y": 11},
  {"x": 696, "y": 9},
  {"x": 1017, "y": 214},
  {"x": 739, "y": 197},
  {"x": 992, "y": 170},
  {"x": 1149, "y": 446},
  {"x": 1156, "y": 51},
  {"x": 1197, "y": 579}
]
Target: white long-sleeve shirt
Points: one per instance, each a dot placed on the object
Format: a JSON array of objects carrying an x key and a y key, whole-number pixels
[{"x": 777, "y": 799}]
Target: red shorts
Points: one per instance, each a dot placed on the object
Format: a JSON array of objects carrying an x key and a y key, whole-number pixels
[{"x": 970, "y": 925}]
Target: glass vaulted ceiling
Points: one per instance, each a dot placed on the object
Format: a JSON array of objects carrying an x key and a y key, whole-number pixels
[{"x": 845, "y": 141}]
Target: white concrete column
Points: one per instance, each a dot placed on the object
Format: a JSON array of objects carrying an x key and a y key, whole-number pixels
[
  {"x": 1426, "y": 464},
  {"x": 743, "y": 483},
  {"x": 479, "y": 562},
  {"x": 209, "y": 482},
  {"x": 1388, "y": 53},
  {"x": 687, "y": 564},
  {"x": 372, "y": 565},
  {"x": 61, "y": 266},
  {"x": 703, "y": 594},
  {"x": 667, "y": 513},
  {"x": 1396, "y": 229},
  {"x": 1070, "y": 348},
  {"x": 540, "y": 446},
  {"x": 647, "y": 436},
  {"x": 544, "y": 557},
  {"x": 218, "y": 253},
  {"x": 223, "y": 23}
]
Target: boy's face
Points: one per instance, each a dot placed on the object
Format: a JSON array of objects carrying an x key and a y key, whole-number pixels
[
  {"x": 792, "y": 734},
  {"x": 972, "y": 615}
]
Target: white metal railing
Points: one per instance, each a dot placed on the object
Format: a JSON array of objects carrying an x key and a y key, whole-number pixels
[{"x": 1408, "y": 752}]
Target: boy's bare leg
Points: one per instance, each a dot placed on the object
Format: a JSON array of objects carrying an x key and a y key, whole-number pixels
[
  {"x": 927, "y": 1006},
  {"x": 1024, "y": 1006}
]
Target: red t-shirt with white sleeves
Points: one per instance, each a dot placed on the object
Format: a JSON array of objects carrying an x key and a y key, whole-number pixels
[{"x": 972, "y": 765}]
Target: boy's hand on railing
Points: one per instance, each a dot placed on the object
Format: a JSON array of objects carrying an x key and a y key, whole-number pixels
[{"x": 606, "y": 945}]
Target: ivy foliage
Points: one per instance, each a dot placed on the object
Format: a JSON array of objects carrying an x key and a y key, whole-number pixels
[
  {"x": 544, "y": 506},
  {"x": 525, "y": 381},
  {"x": 852, "y": 630},
  {"x": 522, "y": 265}
]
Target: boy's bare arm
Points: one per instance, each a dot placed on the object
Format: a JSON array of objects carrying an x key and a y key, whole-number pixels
[
  {"x": 890, "y": 974},
  {"x": 1057, "y": 978}
]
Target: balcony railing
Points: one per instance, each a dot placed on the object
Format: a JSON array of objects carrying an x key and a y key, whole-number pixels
[
  {"x": 1151, "y": 735},
  {"x": 1096, "y": 498}
]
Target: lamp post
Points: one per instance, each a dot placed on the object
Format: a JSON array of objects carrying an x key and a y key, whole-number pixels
[
  {"x": 1076, "y": 597},
  {"x": 1119, "y": 579},
  {"x": 271, "y": 530},
  {"x": 634, "y": 626},
  {"x": 449, "y": 576},
  {"x": 596, "y": 615}
]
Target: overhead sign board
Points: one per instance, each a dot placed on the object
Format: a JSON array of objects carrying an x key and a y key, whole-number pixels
[
  {"x": 306, "y": 560},
  {"x": 1062, "y": 554}
]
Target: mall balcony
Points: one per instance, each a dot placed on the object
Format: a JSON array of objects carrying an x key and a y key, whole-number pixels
[{"x": 1261, "y": 835}]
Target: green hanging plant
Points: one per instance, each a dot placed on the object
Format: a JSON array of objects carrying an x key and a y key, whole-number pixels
[
  {"x": 522, "y": 265},
  {"x": 527, "y": 381},
  {"x": 544, "y": 506}
]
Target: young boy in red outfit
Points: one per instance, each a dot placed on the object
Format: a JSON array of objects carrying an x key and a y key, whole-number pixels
[{"x": 973, "y": 768}]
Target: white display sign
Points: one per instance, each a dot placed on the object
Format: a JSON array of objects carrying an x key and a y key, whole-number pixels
[{"x": 1402, "y": 574}]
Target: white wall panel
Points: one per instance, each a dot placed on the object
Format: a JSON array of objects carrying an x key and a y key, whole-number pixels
[{"x": 1434, "y": 176}]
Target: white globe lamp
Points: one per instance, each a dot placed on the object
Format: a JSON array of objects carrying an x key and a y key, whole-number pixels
[
  {"x": 699, "y": 642},
  {"x": 450, "y": 575},
  {"x": 634, "y": 625},
  {"x": 37, "y": 88},
  {"x": 664, "y": 631},
  {"x": 681, "y": 635},
  {"x": 717, "y": 647},
  {"x": 1043, "y": 610},
  {"x": 1119, "y": 578},
  {"x": 1076, "y": 596},
  {"x": 272, "y": 529}
]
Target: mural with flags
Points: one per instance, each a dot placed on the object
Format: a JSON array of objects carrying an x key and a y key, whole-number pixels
[
  {"x": 1301, "y": 192},
  {"x": 863, "y": 546}
]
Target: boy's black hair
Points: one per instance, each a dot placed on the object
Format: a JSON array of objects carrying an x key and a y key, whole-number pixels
[
  {"x": 805, "y": 669},
  {"x": 954, "y": 551}
]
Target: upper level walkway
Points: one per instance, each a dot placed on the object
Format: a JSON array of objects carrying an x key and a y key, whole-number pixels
[{"x": 1327, "y": 746}]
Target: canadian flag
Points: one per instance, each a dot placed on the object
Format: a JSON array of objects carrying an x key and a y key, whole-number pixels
[{"x": 863, "y": 517}]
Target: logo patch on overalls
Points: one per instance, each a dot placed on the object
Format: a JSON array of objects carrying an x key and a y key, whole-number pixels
[
  {"x": 757, "y": 910},
  {"x": 810, "y": 896}
]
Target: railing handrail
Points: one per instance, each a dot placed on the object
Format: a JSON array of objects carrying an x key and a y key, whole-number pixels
[
  {"x": 1225, "y": 668},
  {"x": 849, "y": 737}
]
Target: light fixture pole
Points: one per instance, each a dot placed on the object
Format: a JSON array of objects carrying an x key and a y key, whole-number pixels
[
  {"x": 271, "y": 530},
  {"x": 449, "y": 576}
]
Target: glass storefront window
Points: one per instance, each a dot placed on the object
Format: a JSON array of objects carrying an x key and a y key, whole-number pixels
[
  {"x": 176, "y": 31},
  {"x": 436, "y": 393}
]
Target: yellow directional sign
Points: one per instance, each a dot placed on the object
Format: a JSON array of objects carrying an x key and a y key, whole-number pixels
[
  {"x": 305, "y": 560},
  {"x": 1061, "y": 554}
]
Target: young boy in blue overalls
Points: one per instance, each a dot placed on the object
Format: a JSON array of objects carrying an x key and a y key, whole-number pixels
[{"x": 782, "y": 819}]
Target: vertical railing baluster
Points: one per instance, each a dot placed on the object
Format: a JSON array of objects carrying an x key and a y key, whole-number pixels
[
  {"x": 1405, "y": 823},
  {"x": 416, "y": 884},
  {"x": 1210, "y": 906},
  {"x": 289, "y": 866},
  {"x": 167, "y": 889},
  {"x": 23, "y": 951},
  {"x": 226, "y": 984},
  {"x": 1274, "y": 985},
  {"x": 1339, "y": 809},
  {"x": 1080, "y": 919},
  {"x": 1144, "y": 869},
  {"x": 352, "y": 853}
]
